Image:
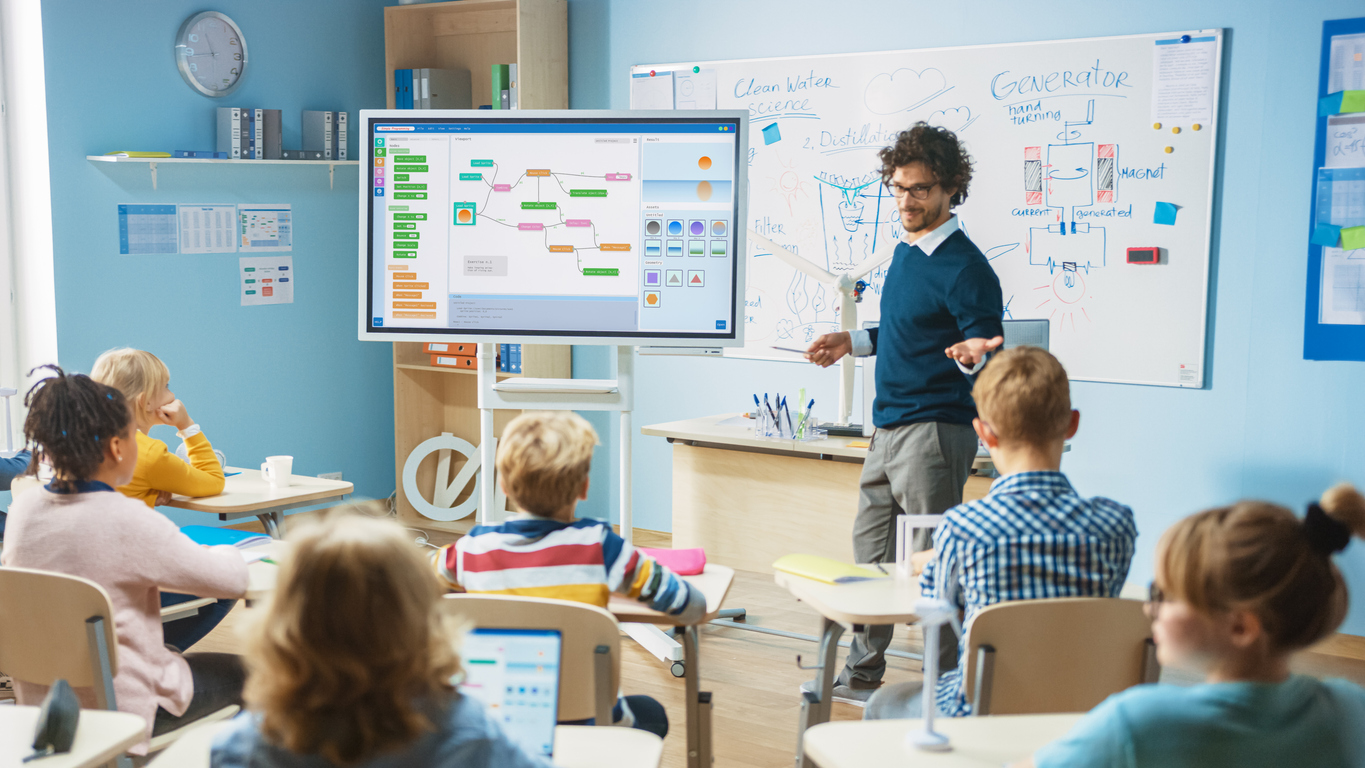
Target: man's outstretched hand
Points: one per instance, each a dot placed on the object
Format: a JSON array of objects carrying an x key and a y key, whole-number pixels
[
  {"x": 829, "y": 349},
  {"x": 971, "y": 351}
]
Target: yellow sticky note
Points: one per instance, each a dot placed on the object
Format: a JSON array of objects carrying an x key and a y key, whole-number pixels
[
  {"x": 860, "y": 444},
  {"x": 1352, "y": 238}
]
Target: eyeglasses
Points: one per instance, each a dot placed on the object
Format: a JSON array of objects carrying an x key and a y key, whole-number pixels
[
  {"x": 918, "y": 191},
  {"x": 1155, "y": 597}
]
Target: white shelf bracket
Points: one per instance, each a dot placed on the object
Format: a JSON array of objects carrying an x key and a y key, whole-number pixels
[
  {"x": 153, "y": 167},
  {"x": 332, "y": 175}
]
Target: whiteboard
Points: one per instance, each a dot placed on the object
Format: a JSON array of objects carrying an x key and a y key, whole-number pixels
[{"x": 1069, "y": 172}]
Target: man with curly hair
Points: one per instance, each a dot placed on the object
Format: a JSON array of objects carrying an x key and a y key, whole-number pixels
[{"x": 940, "y": 317}]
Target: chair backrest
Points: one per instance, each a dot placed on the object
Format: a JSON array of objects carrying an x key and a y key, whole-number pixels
[
  {"x": 45, "y": 635},
  {"x": 1057, "y": 655},
  {"x": 23, "y": 484},
  {"x": 583, "y": 691}
]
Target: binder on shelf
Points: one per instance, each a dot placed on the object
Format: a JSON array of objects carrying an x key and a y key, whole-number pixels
[
  {"x": 421, "y": 89},
  {"x": 449, "y": 348},
  {"x": 258, "y": 134},
  {"x": 467, "y": 362},
  {"x": 246, "y": 134},
  {"x": 317, "y": 132},
  {"x": 301, "y": 154},
  {"x": 341, "y": 137},
  {"x": 230, "y": 132},
  {"x": 504, "y": 357},
  {"x": 516, "y": 359},
  {"x": 499, "y": 73},
  {"x": 407, "y": 89},
  {"x": 512, "y": 86},
  {"x": 398, "y": 89},
  {"x": 447, "y": 89},
  {"x": 272, "y": 134},
  {"x": 201, "y": 153}
]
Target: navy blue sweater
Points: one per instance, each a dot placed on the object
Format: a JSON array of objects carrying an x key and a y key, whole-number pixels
[{"x": 930, "y": 303}]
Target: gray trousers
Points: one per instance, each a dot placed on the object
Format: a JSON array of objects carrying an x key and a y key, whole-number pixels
[{"x": 917, "y": 469}]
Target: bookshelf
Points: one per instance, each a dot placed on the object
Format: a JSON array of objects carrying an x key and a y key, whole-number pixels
[
  {"x": 153, "y": 162},
  {"x": 473, "y": 35}
]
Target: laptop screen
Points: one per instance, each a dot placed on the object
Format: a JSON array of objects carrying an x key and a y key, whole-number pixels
[{"x": 515, "y": 673}]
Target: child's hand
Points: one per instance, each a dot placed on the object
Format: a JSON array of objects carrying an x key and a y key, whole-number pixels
[
  {"x": 920, "y": 559},
  {"x": 163, "y": 498},
  {"x": 174, "y": 414}
]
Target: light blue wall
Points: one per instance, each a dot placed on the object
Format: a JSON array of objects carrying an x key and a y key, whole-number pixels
[
  {"x": 261, "y": 380},
  {"x": 1269, "y": 425}
]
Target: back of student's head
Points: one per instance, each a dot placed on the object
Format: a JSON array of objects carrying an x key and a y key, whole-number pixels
[
  {"x": 1260, "y": 557},
  {"x": 544, "y": 458},
  {"x": 352, "y": 644},
  {"x": 1024, "y": 396},
  {"x": 71, "y": 419},
  {"x": 138, "y": 374}
]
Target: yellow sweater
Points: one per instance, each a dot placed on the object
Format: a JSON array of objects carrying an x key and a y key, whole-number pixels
[{"x": 160, "y": 470}]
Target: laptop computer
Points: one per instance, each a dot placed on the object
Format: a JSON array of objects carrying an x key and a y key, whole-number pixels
[{"x": 515, "y": 673}]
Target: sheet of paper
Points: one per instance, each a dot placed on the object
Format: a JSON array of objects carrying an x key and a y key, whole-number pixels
[
  {"x": 651, "y": 91},
  {"x": 1182, "y": 81},
  {"x": 1345, "y": 141},
  {"x": 1343, "y": 287},
  {"x": 1341, "y": 197},
  {"x": 208, "y": 228},
  {"x": 265, "y": 228},
  {"x": 694, "y": 90},
  {"x": 1346, "y": 65},
  {"x": 266, "y": 280},
  {"x": 145, "y": 229}
]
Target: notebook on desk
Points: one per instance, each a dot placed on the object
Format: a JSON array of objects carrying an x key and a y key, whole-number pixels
[
  {"x": 515, "y": 673},
  {"x": 825, "y": 569}
]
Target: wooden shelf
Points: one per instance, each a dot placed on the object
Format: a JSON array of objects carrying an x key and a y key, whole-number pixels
[
  {"x": 443, "y": 369},
  {"x": 153, "y": 162}
]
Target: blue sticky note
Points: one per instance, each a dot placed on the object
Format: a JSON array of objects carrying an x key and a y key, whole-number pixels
[
  {"x": 1330, "y": 105},
  {"x": 1326, "y": 234},
  {"x": 1165, "y": 214},
  {"x": 772, "y": 135}
]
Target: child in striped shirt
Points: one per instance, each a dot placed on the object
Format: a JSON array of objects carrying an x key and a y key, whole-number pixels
[{"x": 543, "y": 462}]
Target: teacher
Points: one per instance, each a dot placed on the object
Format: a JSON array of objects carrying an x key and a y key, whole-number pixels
[{"x": 940, "y": 317}]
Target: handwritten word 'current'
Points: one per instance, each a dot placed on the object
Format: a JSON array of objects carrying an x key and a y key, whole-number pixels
[{"x": 1004, "y": 85}]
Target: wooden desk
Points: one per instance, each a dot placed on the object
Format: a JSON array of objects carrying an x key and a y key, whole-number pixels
[
  {"x": 977, "y": 741},
  {"x": 247, "y": 494},
  {"x": 843, "y": 606},
  {"x": 748, "y": 501},
  {"x": 576, "y": 746},
  {"x": 100, "y": 737}
]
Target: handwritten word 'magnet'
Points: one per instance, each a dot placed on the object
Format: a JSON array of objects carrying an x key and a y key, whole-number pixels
[{"x": 1007, "y": 84}]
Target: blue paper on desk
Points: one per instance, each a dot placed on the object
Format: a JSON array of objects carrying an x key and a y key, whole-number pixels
[{"x": 213, "y": 537}]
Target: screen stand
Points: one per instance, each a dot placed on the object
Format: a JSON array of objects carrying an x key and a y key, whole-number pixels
[{"x": 618, "y": 395}]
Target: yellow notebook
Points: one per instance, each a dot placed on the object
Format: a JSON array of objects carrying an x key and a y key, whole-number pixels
[
  {"x": 825, "y": 569},
  {"x": 139, "y": 154}
]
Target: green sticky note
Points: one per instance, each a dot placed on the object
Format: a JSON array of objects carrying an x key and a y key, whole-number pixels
[
  {"x": 1352, "y": 101},
  {"x": 1352, "y": 238}
]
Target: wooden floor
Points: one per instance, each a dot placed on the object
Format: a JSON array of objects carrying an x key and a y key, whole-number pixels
[{"x": 754, "y": 677}]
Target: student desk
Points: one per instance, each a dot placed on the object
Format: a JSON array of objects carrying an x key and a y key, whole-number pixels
[
  {"x": 101, "y": 736},
  {"x": 247, "y": 494},
  {"x": 576, "y": 746},
  {"x": 748, "y": 501},
  {"x": 844, "y": 606},
  {"x": 714, "y": 582},
  {"x": 977, "y": 741}
]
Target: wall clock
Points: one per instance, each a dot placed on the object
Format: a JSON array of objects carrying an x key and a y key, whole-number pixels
[{"x": 210, "y": 53}]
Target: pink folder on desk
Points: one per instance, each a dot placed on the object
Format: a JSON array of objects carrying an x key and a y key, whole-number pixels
[{"x": 684, "y": 562}]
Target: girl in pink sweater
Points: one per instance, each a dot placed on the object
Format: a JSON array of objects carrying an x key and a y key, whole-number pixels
[{"x": 79, "y": 525}]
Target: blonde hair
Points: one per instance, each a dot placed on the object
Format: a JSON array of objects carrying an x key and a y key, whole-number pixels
[
  {"x": 352, "y": 643},
  {"x": 138, "y": 374},
  {"x": 1024, "y": 396},
  {"x": 1260, "y": 557},
  {"x": 543, "y": 459}
]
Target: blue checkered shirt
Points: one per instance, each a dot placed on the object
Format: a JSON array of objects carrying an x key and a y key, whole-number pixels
[{"x": 1031, "y": 537}]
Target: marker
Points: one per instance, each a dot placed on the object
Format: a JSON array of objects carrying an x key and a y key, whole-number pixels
[{"x": 758, "y": 407}]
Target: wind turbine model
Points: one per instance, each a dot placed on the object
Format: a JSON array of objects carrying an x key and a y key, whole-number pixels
[{"x": 847, "y": 285}]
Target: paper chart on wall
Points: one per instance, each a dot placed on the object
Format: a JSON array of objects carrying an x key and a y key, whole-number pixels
[
  {"x": 1347, "y": 64},
  {"x": 1345, "y": 141},
  {"x": 264, "y": 228},
  {"x": 208, "y": 228},
  {"x": 147, "y": 229},
  {"x": 1343, "y": 287},
  {"x": 1341, "y": 197},
  {"x": 266, "y": 280}
]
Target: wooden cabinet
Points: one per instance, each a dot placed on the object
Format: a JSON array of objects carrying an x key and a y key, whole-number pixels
[{"x": 474, "y": 35}]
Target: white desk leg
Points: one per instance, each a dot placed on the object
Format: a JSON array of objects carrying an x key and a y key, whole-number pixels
[
  {"x": 815, "y": 707},
  {"x": 659, "y": 644},
  {"x": 698, "y": 705}
]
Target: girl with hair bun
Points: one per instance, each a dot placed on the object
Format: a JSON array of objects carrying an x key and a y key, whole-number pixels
[
  {"x": 1238, "y": 590},
  {"x": 79, "y": 525}
]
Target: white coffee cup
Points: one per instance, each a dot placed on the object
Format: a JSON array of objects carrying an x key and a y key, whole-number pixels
[{"x": 278, "y": 470}]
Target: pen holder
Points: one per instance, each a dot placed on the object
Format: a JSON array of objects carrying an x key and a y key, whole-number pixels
[
  {"x": 769, "y": 429},
  {"x": 765, "y": 426}
]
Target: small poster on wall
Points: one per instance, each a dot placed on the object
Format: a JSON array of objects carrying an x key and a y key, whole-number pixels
[{"x": 266, "y": 280}]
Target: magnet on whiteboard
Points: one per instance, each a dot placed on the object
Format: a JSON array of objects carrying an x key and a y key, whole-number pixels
[
  {"x": 1175, "y": 129},
  {"x": 1169, "y": 150},
  {"x": 1196, "y": 126},
  {"x": 1156, "y": 126}
]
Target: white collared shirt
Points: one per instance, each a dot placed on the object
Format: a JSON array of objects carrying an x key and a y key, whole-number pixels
[{"x": 929, "y": 242}]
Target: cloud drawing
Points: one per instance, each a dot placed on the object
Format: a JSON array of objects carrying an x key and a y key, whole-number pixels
[{"x": 903, "y": 90}]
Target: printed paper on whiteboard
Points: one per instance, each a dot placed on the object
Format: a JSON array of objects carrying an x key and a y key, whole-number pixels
[
  {"x": 263, "y": 228},
  {"x": 1345, "y": 141},
  {"x": 1342, "y": 301},
  {"x": 694, "y": 90},
  {"x": 652, "y": 91},
  {"x": 265, "y": 280},
  {"x": 1182, "y": 80},
  {"x": 208, "y": 228}
]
